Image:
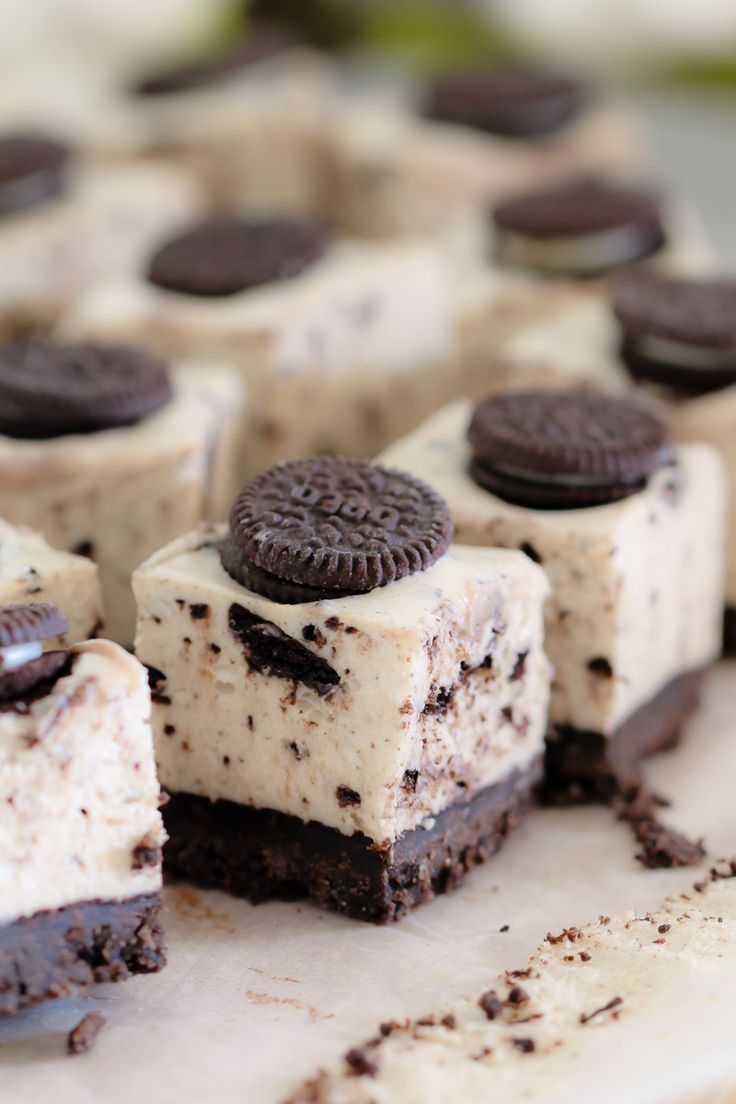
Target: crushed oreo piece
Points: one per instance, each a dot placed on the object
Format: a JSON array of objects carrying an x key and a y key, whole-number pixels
[
  {"x": 83, "y": 1037},
  {"x": 33, "y": 170},
  {"x": 270, "y": 651}
]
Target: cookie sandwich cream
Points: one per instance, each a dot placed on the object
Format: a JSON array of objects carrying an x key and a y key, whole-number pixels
[
  {"x": 65, "y": 223},
  {"x": 672, "y": 341},
  {"x": 32, "y": 571},
  {"x": 629, "y": 529},
  {"x": 80, "y": 830},
  {"x": 110, "y": 454},
  {"x": 345, "y": 704},
  {"x": 343, "y": 346}
]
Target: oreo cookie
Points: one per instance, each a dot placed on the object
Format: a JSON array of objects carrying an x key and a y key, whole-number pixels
[
  {"x": 327, "y": 527},
  {"x": 33, "y": 170},
  {"x": 23, "y": 663},
  {"x": 224, "y": 256},
  {"x": 263, "y": 42},
  {"x": 49, "y": 389},
  {"x": 552, "y": 450},
  {"x": 583, "y": 228},
  {"x": 511, "y": 101},
  {"x": 678, "y": 333}
]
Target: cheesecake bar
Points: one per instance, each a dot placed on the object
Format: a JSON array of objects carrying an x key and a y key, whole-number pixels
[
  {"x": 80, "y": 830},
  {"x": 110, "y": 455},
  {"x": 343, "y": 346},
  {"x": 630, "y": 532},
  {"x": 248, "y": 122},
  {"x": 344, "y": 705},
  {"x": 32, "y": 571},
  {"x": 65, "y": 223},
  {"x": 477, "y": 137},
  {"x": 670, "y": 340},
  {"x": 555, "y": 248},
  {"x": 541, "y": 1032}
]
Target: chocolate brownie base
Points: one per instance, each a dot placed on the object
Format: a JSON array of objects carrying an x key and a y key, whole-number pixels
[
  {"x": 587, "y": 766},
  {"x": 729, "y": 631},
  {"x": 62, "y": 952},
  {"x": 262, "y": 853}
]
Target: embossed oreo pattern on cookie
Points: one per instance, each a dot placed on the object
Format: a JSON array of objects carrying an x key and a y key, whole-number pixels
[
  {"x": 48, "y": 389},
  {"x": 32, "y": 171},
  {"x": 677, "y": 332},
  {"x": 224, "y": 256},
  {"x": 585, "y": 227},
  {"x": 512, "y": 102},
  {"x": 562, "y": 450},
  {"x": 333, "y": 526}
]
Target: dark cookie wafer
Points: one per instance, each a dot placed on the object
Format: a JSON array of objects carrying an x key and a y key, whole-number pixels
[
  {"x": 677, "y": 332},
  {"x": 223, "y": 256},
  {"x": 563, "y": 450},
  {"x": 20, "y": 624},
  {"x": 627, "y": 222},
  {"x": 32, "y": 171},
  {"x": 263, "y": 41},
  {"x": 49, "y": 389},
  {"x": 31, "y": 624},
  {"x": 513, "y": 102},
  {"x": 334, "y": 526},
  {"x": 271, "y": 586}
]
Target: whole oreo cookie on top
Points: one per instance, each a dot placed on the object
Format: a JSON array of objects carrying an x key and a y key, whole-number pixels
[
  {"x": 327, "y": 527},
  {"x": 263, "y": 41},
  {"x": 32, "y": 171},
  {"x": 224, "y": 256},
  {"x": 22, "y": 628},
  {"x": 48, "y": 389},
  {"x": 677, "y": 332},
  {"x": 585, "y": 227},
  {"x": 553, "y": 450},
  {"x": 512, "y": 102}
]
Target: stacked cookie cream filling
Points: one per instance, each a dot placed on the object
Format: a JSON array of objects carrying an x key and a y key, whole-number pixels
[
  {"x": 80, "y": 831},
  {"x": 630, "y": 533},
  {"x": 64, "y": 224},
  {"x": 342, "y": 345},
  {"x": 345, "y": 705},
  {"x": 110, "y": 454}
]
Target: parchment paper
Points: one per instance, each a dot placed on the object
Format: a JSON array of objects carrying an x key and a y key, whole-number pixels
[{"x": 256, "y": 998}]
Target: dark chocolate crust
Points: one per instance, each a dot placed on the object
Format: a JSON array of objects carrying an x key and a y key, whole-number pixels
[
  {"x": 729, "y": 631},
  {"x": 587, "y": 766},
  {"x": 63, "y": 952},
  {"x": 262, "y": 853}
]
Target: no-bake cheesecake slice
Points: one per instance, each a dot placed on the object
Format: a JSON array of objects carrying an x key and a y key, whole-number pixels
[
  {"x": 671, "y": 341},
  {"x": 80, "y": 829},
  {"x": 630, "y": 531},
  {"x": 110, "y": 454},
  {"x": 32, "y": 571},
  {"x": 66, "y": 223},
  {"x": 343, "y": 346},
  {"x": 344, "y": 704}
]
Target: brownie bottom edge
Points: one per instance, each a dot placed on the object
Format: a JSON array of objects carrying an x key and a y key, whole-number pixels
[
  {"x": 587, "y": 766},
  {"x": 63, "y": 952},
  {"x": 262, "y": 853}
]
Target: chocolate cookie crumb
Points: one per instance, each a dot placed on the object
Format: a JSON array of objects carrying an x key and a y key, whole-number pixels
[
  {"x": 83, "y": 1037},
  {"x": 615, "y": 1002},
  {"x": 146, "y": 852},
  {"x": 360, "y": 1063},
  {"x": 491, "y": 1004},
  {"x": 346, "y": 796},
  {"x": 526, "y": 1046}
]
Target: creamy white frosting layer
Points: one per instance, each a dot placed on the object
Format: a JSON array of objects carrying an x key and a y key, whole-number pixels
[
  {"x": 32, "y": 571},
  {"x": 637, "y": 583},
  {"x": 104, "y": 224},
  {"x": 78, "y": 788},
  {"x": 585, "y": 995},
  {"x": 127, "y": 491},
  {"x": 226, "y": 730},
  {"x": 342, "y": 359}
]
